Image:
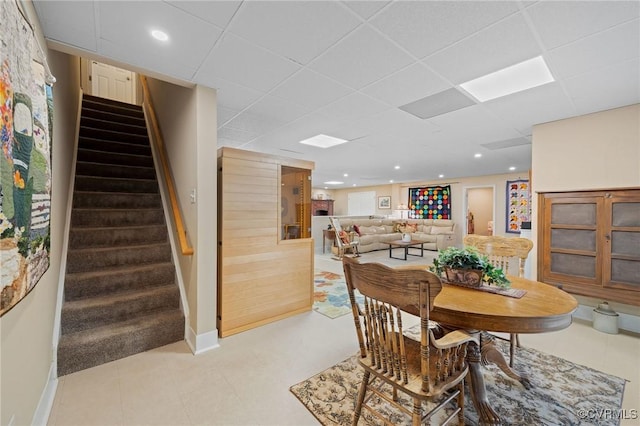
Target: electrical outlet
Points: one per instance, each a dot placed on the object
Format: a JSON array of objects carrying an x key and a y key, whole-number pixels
[{"x": 192, "y": 196}]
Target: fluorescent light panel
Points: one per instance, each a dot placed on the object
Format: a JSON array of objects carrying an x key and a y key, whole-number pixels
[
  {"x": 323, "y": 141},
  {"x": 516, "y": 78}
]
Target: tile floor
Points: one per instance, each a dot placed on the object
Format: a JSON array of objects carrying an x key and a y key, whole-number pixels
[{"x": 246, "y": 381}]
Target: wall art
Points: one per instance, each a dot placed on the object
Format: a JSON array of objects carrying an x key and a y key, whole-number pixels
[
  {"x": 433, "y": 202},
  {"x": 518, "y": 204}
]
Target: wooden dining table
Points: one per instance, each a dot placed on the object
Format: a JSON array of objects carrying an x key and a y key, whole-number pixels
[{"x": 543, "y": 308}]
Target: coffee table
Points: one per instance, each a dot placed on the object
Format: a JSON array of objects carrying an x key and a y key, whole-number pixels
[{"x": 417, "y": 244}]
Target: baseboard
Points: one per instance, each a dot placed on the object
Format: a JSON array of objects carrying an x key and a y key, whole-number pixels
[
  {"x": 43, "y": 410},
  {"x": 625, "y": 321},
  {"x": 200, "y": 343}
]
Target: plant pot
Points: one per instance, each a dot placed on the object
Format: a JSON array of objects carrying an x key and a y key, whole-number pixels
[{"x": 466, "y": 277}]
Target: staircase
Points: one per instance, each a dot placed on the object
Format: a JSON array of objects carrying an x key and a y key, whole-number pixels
[{"x": 120, "y": 292}]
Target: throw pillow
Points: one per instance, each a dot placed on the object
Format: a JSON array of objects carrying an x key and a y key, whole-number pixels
[
  {"x": 411, "y": 227},
  {"x": 357, "y": 229}
]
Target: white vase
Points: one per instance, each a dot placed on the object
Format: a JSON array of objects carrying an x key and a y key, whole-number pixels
[{"x": 406, "y": 238}]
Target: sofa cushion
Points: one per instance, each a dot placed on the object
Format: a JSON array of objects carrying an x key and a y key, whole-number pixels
[
  {"x": 437, "y": 230},
  {"x": 367, "y": 230}
]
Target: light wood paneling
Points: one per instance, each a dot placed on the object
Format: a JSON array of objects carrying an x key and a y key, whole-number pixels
[{"x": 261, "y": 278}]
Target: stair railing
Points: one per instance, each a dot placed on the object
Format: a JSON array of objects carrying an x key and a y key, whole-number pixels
[{"x": 185, "y": 248}]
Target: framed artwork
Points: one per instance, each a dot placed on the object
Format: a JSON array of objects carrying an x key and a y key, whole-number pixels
[
  {"x": 518, "y": 205},
  {"x": 26, "y": 106},
  {"x": 432, "y": 202},
  {"x": 384, "y": 202}
]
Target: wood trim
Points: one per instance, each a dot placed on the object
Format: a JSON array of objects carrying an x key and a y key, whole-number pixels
[{"x": 185, "y": 248}]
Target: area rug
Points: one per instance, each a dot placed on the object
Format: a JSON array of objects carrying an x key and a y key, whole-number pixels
[
  {"x": 563, "y": 393},
  {"x": 330, "y": 296}
]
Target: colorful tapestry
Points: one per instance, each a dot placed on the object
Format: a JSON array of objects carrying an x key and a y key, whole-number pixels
[
  {"x": 26, "y": 107},
  {"x": 432, "y": 202},
  {"x": 518, "y": 204}
]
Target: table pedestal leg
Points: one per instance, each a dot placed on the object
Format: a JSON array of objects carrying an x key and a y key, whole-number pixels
[
  {"x": 489, "y": 353},
  {"x": 486, "y": 414}
]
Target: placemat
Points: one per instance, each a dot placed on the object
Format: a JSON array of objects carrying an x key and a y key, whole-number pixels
[{"x": 516, "y": 293}]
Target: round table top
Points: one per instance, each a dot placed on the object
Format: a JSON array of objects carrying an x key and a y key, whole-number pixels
[{"x": 543, "y": 308}]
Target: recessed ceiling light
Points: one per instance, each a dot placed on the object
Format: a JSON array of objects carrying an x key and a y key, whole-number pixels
[
  {"x": 516, "y": 78},
  {"x": 512, "y": 168},
  {"x": 478, "y": 155},
  {"x": 346, "y": 175},
  {"x": 354, "y": 184},
  {"x": 326, "y": 187},
  {"x": 440, "y": 176},
  {"x": 323, "y": 141},
  {"x": 333, "y": 182},
  {"x": 391, "y": 181},
  {"x": 159, "y": 35},
  {"x": 396, "y": 167}
]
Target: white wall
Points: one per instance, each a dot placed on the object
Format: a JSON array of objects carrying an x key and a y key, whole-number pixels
[{"x": 26, "y": 331}]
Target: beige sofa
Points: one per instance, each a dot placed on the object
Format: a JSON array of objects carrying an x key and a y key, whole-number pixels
[{"x": 437, "y": 234}]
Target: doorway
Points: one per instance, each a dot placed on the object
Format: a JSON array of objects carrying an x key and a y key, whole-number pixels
[
  {"x": 479, "y": 208},
  {"x": 110, "y": 82}
]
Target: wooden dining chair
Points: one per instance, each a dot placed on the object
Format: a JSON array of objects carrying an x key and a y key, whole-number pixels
[
  {"x": 431, "y": 370},
  {"x": 345, "y": 241},
  {"x": 503, "y": 252}
]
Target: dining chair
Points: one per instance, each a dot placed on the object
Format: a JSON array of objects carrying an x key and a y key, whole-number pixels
[
  {"x": 503, "y": 252},
  {"x": 344, "y": 240},
  {"x": 431, "y": 369}
]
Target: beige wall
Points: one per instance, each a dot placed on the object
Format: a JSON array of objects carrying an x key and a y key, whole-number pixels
[
  {"x": 26, "y": 332},
  {"x": 594, "y": 151},
  {"x": 187, "y": 118},
  {"x": 480, "y": 203}
]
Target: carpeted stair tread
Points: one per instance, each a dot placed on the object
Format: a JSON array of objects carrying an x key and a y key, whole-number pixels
[
  {"x": 81, "y": 285},
  {"x": 79, "y": 315},
  {"x": 105, "y": 145},
  {"x": 101, "y": 123},
  {"x": 112, "y": 106},
  {"x": 96, "y": 258},
  {"x": 86, "y": 349},
  {"x": 117, "y": 159},
  {"x": 111, "y": 184},
  {"x": 82, "y": 217},
  {"x": 94, "y": 237},
  {"x": 88, "y": 168},
  {"x": 91, "y": 112},
  {"x": 98, "y": 133},
  {"x": 101, "y": 200}
]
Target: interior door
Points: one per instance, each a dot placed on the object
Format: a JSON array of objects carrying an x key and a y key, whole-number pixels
[{"x": 111, "y": 82}]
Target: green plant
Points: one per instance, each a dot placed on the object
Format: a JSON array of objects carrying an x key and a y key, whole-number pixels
[{"x": 469, "y": 258}]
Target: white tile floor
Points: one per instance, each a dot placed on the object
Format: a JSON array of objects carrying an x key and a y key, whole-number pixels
[{"x": 246, "y": 381}]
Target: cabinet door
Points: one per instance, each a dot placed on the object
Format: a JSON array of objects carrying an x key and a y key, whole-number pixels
[
  {"x": 622, "y": 243},
  {"x": 571, "y": 235}
]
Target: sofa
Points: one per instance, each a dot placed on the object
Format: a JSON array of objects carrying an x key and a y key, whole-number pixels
[{"x": 373, "y": 234}]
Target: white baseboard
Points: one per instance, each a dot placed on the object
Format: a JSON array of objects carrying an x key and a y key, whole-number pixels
[
  {"x": 625, "y": 321},
  {"x": 200, "y": 343},
  {"x": 43, "y": 410}
]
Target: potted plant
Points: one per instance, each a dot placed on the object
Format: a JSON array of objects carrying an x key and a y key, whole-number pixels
[{"x": 468, "y": 267}]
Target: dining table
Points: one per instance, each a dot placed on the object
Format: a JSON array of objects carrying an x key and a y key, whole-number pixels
[{"x": 543, "y": 308}]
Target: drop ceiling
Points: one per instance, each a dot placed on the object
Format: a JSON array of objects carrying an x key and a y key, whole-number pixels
[{"x": 288, "y": 70}]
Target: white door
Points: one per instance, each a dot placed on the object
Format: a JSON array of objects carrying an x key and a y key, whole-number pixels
[{"x": 111, "y": 82}]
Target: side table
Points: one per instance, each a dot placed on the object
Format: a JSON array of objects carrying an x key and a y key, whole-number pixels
[{"x": 329, "y": 234}]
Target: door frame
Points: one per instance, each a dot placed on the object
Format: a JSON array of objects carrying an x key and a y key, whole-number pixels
[{"x": 465, "y": 206}]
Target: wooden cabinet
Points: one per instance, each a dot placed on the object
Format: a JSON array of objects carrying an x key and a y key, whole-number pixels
[
  {"x": 589, "y": 242},
  {"x": 322, "y": 207},
  {"x": 264, "y": 273}
]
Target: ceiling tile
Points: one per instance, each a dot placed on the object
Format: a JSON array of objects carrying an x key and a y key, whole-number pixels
[
  {"x": 352, "y": 107},
  {"x": 246, "y": 64},
  {"x": 561, "y": 22},
  {"x": 437, "y": 104},
  {"x": 236, "y": 136},
  {"x": 606, "y": 88},
  {"x": 501, "y": 45},
  {"x": 233, "y": 95},
  {"x": 361, "y": 58},
  {"x": 118, "y": 26},
  {"x": 366, "y": 8},
  {"x": 278, "y": 109},
  {"x": 298, "y": 30},
  {"x": 311, "y": 89},
  {"x": 217, "y": 12},
  {"x": 600, "y": 50},
  {"x": 225, "y": 114},
  {"x": 426, "y": 27},
  {"x": 406, "y": 85},
  {"x": 81, "y": 34}
]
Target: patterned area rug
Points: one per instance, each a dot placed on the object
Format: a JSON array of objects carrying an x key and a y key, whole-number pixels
[
  {"x": 330, "y": 294},
  {"x": 562, "y": 392}
]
